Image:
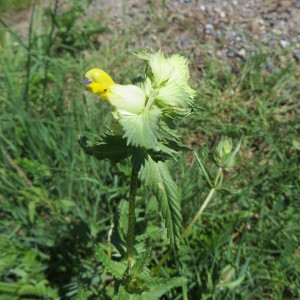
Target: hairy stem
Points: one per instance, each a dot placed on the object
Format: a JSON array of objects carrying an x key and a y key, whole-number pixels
[{"x": 131, "y": 216}]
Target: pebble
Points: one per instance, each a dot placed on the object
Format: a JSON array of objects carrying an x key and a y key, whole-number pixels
[
  {"x": 209, "y": 28},
  {"x": 274, "y": 24},
  {"x": 218, "y": 35},
  {"x": 296, "y": 55},
  {"x": 284, "y": 43},
  {"x": 242, "y": 52},
  {"x": 230, "y": 53},
  {"x": 222, "y": 14}
]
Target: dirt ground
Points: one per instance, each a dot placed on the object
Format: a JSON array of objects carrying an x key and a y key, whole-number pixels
[{"x": 232, "y": 27}]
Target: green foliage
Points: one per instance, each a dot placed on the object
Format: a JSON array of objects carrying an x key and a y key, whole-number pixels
[
  {"x": 108, "y": 146},
  {"x": 71, "y": 36},
  {"x": 157, "y": 178},
  {"x": 115, "y": 268},
  {"x": 142, "y": 130},
  {"x": 157, "y": 289},
  {"x": 56, "y": 203},
  {"x": 7, "y": 5}
]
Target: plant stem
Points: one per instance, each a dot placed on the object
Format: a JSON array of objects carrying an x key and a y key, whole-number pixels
[
  {"x": 219, "y": 178},
  {"x": 131, "y": 216},
  {"x": 151, "y": 100},
  {"x": 50, "y": 42},
  {"x": 198, "y": 214}
]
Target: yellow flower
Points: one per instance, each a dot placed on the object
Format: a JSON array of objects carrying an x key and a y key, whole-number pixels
[
  {"x": 127, "y": 99},
  {"x": 98, "y": 82}
]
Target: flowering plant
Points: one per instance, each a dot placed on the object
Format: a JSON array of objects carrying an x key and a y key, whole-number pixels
[{"x": 145, "y": 115}]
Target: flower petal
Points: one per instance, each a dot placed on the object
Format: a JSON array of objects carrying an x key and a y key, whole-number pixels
[
  {"x": 127, "y": 99},
  {"x": 98, "y": 82}
]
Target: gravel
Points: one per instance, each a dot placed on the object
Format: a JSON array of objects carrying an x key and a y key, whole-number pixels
[{"x": 233, "y": 28}]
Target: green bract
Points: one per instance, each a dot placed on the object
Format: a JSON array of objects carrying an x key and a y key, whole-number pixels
[{"x": 169, "y": 76}]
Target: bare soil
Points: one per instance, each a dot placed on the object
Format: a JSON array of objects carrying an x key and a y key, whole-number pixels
[{"x": 232, "y": 28}]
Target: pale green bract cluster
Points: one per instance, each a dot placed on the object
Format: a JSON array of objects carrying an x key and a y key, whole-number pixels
[
  {"x": 168, "y": 83},
  {"x": 166, "y": 86}
]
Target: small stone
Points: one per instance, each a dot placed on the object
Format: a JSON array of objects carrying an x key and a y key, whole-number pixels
[
  {"x": 242, "y": 52},
  {"x": 277, "y": 31},
  {"x": 296, "y": 55},
  {"x": 219, "y": 53},
  {"x": 238, "y": 38},
  {"x": 209, "y": 28},
  {"x": 230, "y": 53},
  {"x": 284, "y": 43},
  {"x": 222, "y": 14},
  {"x": 216, "y": 9},
  {"x": 218, "y": 35}
]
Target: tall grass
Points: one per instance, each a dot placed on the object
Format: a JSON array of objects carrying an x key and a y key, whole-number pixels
[{"x": 56, "y": 202}]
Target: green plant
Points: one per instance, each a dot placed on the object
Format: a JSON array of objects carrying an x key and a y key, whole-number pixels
[
  {"x": 60, "y": 207},
  {"x": 145, "y": 132}
]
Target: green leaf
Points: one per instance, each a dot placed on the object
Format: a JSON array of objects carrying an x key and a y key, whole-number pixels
[
  {"x": 115, "y": 268},
  {"x": 122, "y": 218},
  {"x": 162, "y": 286},
  {"x": 9, "y": 288},
  {"x": 31, "y": 210},
  {"x": 157, "y": 178},
  {"x": 142, "y": 130},
  {"x": 203, "y": 170},
  {"x": 107, "y": 145},
  {"x": 164, "y": 153},
  {"x": 140, "y": 268},
  {"x": 232, "y": 284},
  {"x": 158, "y": 287},
  {"x": 32, "y": 290},
  {"x": 170, "y": 136},
  {"x": 296, "y": 143}
]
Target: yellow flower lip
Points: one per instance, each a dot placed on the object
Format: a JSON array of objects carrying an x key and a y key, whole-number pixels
[{"x": 98, "y": 82}]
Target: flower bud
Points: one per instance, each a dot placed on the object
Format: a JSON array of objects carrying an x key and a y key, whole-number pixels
[
  {"x": 225, "y": 155},
  {"x": 169, "y": 76}
]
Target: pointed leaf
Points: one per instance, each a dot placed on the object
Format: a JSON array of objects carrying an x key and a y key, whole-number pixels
[
  {"x": 142, "y": 130},
  {"x": 31, "y": 210},
  {"x": 107, "y": 145},
  {"x": 115, "y": 268},
  {"x": 158, "y": 288},
  {"x": 164, "y": 286},
  {"x": 140, "y": 268},
  {"x": 170, "y": 136},
  {"x": 203, "y": 170},
  {"x": 157, "y": 178}
]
